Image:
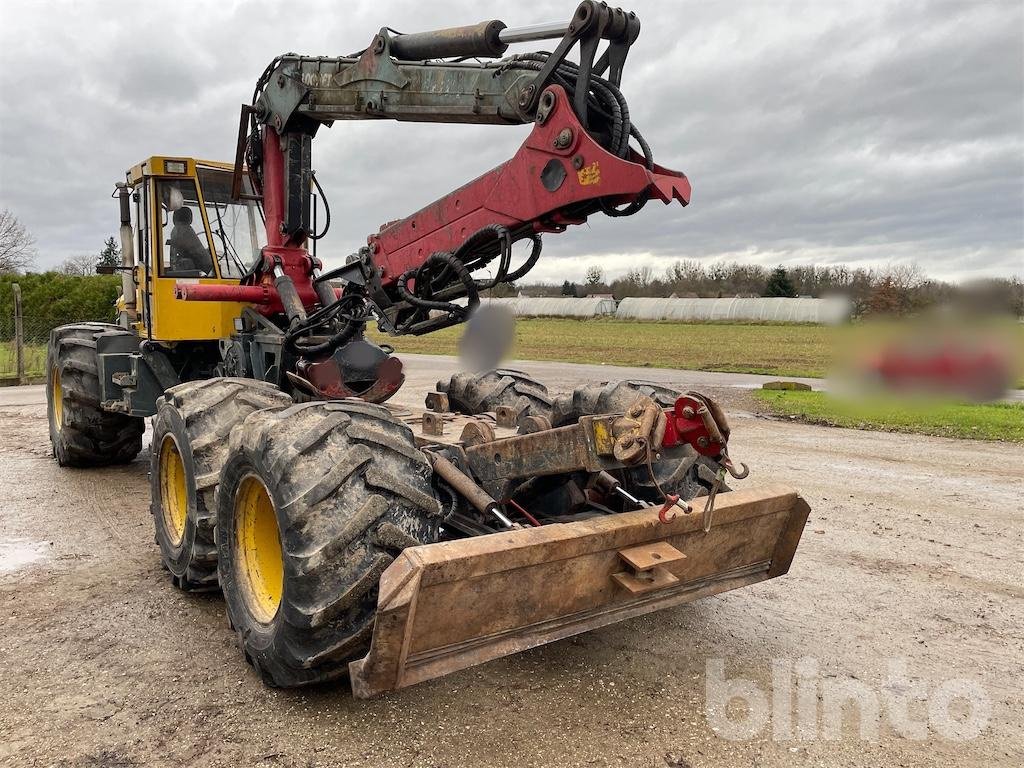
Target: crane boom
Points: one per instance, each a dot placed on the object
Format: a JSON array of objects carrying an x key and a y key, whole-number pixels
[{"x": 579, "y": 159}]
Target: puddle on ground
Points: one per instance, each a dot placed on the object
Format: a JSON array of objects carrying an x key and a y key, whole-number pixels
[{"x": 17, "y": 553}]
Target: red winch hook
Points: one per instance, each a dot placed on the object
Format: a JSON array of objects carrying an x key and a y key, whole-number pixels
[{"x": 672, "y": 500}]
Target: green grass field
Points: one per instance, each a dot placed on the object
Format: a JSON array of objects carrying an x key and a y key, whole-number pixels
[
  {"x": 784, "y": 350},
  {"x": 35, "y": 360},
  {"x": 985, "y": 421},
  {"x": 775, "y": 350}
]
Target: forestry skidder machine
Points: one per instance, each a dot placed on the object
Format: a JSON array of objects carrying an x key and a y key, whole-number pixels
[{"x": 350, "y": 537}]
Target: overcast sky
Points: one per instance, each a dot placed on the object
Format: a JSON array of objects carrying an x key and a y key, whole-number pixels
[{"x": 812, "y": 132}]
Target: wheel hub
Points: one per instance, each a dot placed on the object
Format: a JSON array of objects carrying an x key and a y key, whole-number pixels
[
  {"x": 57, "y": 397},
  {"x": 173, "y": 490},
  {"x": 260, "y": 562}
]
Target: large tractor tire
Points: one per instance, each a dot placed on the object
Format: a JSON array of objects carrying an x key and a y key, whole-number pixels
[
  {"x": 608, "y": 397},
  {"x": 82, "y": 434},
  {"x": 681, "y": 470},
  {"x": 190, "y": 443},
  {"x": 475, "y": 393},
  {"x": 315, "y": 501}
]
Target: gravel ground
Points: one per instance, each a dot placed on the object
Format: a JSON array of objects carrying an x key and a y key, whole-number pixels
[{"x": 912, "y": 557}]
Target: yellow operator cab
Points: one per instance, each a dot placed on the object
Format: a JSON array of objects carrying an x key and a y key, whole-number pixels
[{"x": 189, "y": 230}]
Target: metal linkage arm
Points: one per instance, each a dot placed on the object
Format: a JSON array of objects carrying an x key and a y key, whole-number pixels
[
  {"x": 559, "y": 176},
  {"x": 393, "y": 78},
  {"x": 302, "y": 89}
]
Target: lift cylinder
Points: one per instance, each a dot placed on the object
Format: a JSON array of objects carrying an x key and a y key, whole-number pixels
[{"x": 476, "y": 40}]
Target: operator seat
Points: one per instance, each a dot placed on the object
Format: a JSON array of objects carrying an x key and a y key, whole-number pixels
[{"x": 187, "y": 253}]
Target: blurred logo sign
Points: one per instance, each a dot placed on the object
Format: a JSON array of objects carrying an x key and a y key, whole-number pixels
[{"x": 589, "y": 174}]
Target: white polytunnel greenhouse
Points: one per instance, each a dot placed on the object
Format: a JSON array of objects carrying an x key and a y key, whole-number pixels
[
  {"x": 831, "y": 311},
  {"x": 555, "y": 306}
]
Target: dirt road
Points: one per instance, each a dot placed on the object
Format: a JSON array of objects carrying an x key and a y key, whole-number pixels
[{"x": 911, "y": 561}]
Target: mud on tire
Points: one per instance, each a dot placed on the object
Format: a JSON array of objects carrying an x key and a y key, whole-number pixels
[
  {"x": 475, "y": 393},
  {"x": 608, "y": 397},
  {"x": 680, "y": 471},
  {"x": 349, "y": 492},
  {"x": 192, "y": 424},
  {"x": 82, "y": 434}
]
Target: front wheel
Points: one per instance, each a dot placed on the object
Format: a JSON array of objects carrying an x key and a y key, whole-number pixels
[
  {"x": 190, "y": 441},
  {"x": 315, "y": 502},
  {"x": 82, "y": 433}
]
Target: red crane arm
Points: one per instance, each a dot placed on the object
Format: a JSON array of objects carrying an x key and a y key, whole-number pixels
[
  {"x": 540, "y": 189},
  {"x": 558, "y": 167}
]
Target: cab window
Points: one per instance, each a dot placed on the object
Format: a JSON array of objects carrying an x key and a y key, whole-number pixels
[
  {"x": 185, "y": 250},
  {"x": 236, "y": 226}
]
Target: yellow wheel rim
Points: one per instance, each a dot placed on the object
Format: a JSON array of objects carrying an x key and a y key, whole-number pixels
[
  {"x": 173, "y": 490},
  {"x": 259, "y": 563},
  {"x": 57, "y": 397}
]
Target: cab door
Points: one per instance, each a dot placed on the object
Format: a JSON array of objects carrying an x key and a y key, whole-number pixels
[{"x": 182, "y": 251}]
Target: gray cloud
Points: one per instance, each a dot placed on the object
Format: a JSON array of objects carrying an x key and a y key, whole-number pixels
[{"x": 811, "y": 131}]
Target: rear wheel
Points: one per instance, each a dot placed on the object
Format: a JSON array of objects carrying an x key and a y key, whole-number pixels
[
  {"x": 82, "y": 434},
  {"x": 608, "y": 397},
  {"x": 474, "y": 393},
  {"x": 190, "y": 438},
  {"x": 315, "y": 501}
]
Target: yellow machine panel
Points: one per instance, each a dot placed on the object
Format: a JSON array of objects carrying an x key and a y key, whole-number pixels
[
  {"x": 193, "y": 233},
  {"x": 176, "y": 320}
]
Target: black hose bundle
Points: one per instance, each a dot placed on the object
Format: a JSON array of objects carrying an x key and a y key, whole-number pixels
[
  {"x": 604, "y": 98},
  {"x": 326, "y": 318},
  {"x": 431, "y": 279},
  {"x": 253, "y": 145},
  {"x": 444, "y": 277}
]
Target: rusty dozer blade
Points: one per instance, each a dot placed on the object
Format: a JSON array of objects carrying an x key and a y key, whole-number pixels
[{"x": 447, "y": 606}]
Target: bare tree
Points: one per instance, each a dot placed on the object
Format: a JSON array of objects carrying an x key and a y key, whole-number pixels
[
  {"x": 897, "y": 289},
  {"x": 640, "y": 276},
  {"x": 17, "y": 246},
  {"x": 905, "y": 277},
  {"x": 688, "y": 272},
  {"x": 595, "y": 275},
  {"x": 81, "y": 265}
]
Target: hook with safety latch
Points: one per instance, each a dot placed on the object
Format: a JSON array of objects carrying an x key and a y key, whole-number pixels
[{"x": 725, "y": 465}]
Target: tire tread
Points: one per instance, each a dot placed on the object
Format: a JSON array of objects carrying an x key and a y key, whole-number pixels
[
  {"x": 352, "y": 491},
  {"x": 90, "y": 436}
]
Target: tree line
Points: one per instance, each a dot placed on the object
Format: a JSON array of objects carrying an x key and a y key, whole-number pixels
[
  {"x": 894, "y": 290},
  {"x": 49, "y": 299},
  {"x": 18, "y": 251},
  {"x": 71, "y": 293}
]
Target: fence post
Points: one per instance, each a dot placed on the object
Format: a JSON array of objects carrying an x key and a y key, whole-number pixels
[{"x": 19, "y": 333}]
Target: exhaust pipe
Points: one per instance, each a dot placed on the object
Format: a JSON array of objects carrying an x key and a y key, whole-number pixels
[{"x": 129, "y": 287}]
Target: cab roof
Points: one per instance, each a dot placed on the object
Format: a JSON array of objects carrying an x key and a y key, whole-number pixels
[{"x": 167, "y": 165}]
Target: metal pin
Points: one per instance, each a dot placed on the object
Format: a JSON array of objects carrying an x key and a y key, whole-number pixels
[
  {"x": 709, "y": 505},
  {"x": 525, "y": 34},
  {"x": 630, "y": 497},
  {"x": 494, "y": 510}
]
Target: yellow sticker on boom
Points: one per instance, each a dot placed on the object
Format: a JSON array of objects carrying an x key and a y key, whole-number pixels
[
  {"x": 604, "y": 440},
  {"x": 589, "y": 174}
]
